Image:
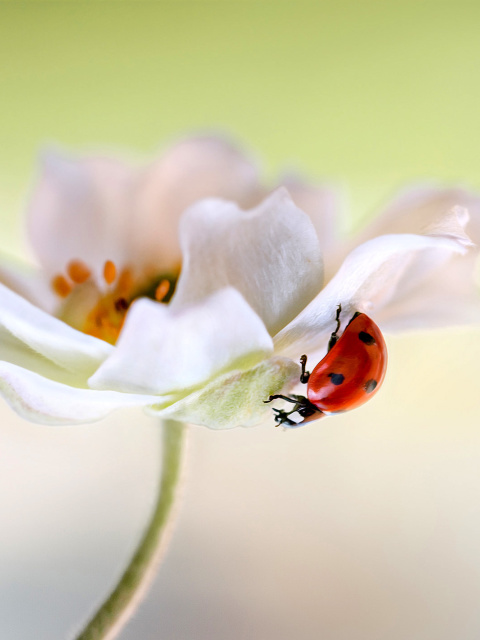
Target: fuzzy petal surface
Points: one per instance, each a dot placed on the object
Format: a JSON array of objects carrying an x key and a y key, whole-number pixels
[{"x": 236, "y": 398}]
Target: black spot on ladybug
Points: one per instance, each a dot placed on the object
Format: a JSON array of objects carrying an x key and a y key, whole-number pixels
[
  {"x": 370, "y": 385},
  {"x": 337, "y": 378},
  {"x": 366, "y": 338}
]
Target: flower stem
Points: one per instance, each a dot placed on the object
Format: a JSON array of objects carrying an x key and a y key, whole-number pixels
[{"x": 123, "y": 601}]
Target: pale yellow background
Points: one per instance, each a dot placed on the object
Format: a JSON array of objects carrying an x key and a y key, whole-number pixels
[{"x": 362, "y": 527}]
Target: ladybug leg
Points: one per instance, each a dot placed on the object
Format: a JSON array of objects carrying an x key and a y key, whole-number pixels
[
  {"x": 279, "y": 397},
  {"x": 334, "y": 337},
  {"x": 305, "y": 375},
  {"x": 294, "y": 399},
  {"x": 302, "y": 406},
  {"x": 281, "y": 417}
]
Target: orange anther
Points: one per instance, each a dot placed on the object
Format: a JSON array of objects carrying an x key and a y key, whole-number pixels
[
  {"x": 162, "y": 290},
  {"x": 61, "y": 286},
  {"x": 78, "y": 271},
  {"x": 109, "y": 271}
]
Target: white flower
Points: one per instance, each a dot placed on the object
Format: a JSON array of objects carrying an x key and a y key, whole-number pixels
[{"x": 251, "y": 297}]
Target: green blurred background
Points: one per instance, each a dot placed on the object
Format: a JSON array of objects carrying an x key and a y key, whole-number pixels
[
  {"x": 367, "y": 93},
  {"x": 365, "y": 528}
]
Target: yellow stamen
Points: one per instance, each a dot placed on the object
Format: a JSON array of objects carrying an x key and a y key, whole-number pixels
[
  {"x": 125, "y": 282},
  {"x": 78, "y": 271},
  {"x": 105, "y": 320},
  {"x": 109, "y": 271},
  {"x": 61, "y": 286},
  {"x": 162, "y": 290},
  {"x": 98, "y": 310}
]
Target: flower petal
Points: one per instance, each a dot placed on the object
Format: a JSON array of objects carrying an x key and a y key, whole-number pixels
[
  {"x": 270, "y": 254},
  {"x": 323, "y": 205},
  {"x": 17, "y": 352},
  {"x": 69, "y": 349},
  {"x": 49, "y": 402},
  {"x": 449, "y": 297},
  {"x": 162, "y": 349},
  {"x": 373, "y": 276},
  {"x": 193, "y": 169},
  {"x": 414, "y": 209},
  {"x": 29, "y": 282},
  {"x": 78, "y": 210},
  {"x": 234, "y": 399}
]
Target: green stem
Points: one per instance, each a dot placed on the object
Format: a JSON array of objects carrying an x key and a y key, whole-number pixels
[{"x": 123, "y": 601}]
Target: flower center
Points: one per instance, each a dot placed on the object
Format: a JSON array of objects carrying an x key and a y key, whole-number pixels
[{"x": 100, "y": 310}]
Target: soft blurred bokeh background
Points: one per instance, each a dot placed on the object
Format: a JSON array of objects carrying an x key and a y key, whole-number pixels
[{"x": 363, "y": 527}]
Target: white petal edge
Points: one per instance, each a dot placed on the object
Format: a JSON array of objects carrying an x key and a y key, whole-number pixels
[
  {"x": 235, "y": 399},
  {"x": 29, "y": 282},
  {"x": 369, "y": 279},
  {"x": 16, "y": 352},
  {"x": 449, "y": 297},
  {"x": 325, "y": 207},
  {"x": 270, "y": 254},
  {"x": 50, "y": 337},
  {"x": 162, "y": 349},
  {"x": 49, "y": 402}
]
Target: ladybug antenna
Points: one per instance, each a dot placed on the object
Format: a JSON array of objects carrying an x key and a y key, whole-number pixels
[
  {"x": 334, "y": 337},
  {"x": 305, "y": 375}
]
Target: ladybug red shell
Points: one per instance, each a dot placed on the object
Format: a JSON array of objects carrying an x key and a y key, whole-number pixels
[
  {"x": 350, "y": 374},
  {"x": 352, "y": 371}
]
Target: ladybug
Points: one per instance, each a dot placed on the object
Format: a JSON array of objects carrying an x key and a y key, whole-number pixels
[{"x": 350, "y": 374}]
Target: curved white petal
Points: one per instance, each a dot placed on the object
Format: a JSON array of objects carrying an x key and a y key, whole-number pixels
[
  {"x": 449, "y": 297},
  {"x": 16, "y": 352},
  {"x": 235, "y": 399},
  {"x": 193, "y": 169},
  {"x": 79, "y": 210},
  {"x": 29, "y": 282},
  {"x": 270, "y": 254},
  {"x": 49, "y": 337},
  {"x": 162, "y": 349},
  {"x": 49, "y": 402},
  {"x": 373, "y": 276},
  {"x": 415, "y": 209}
]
